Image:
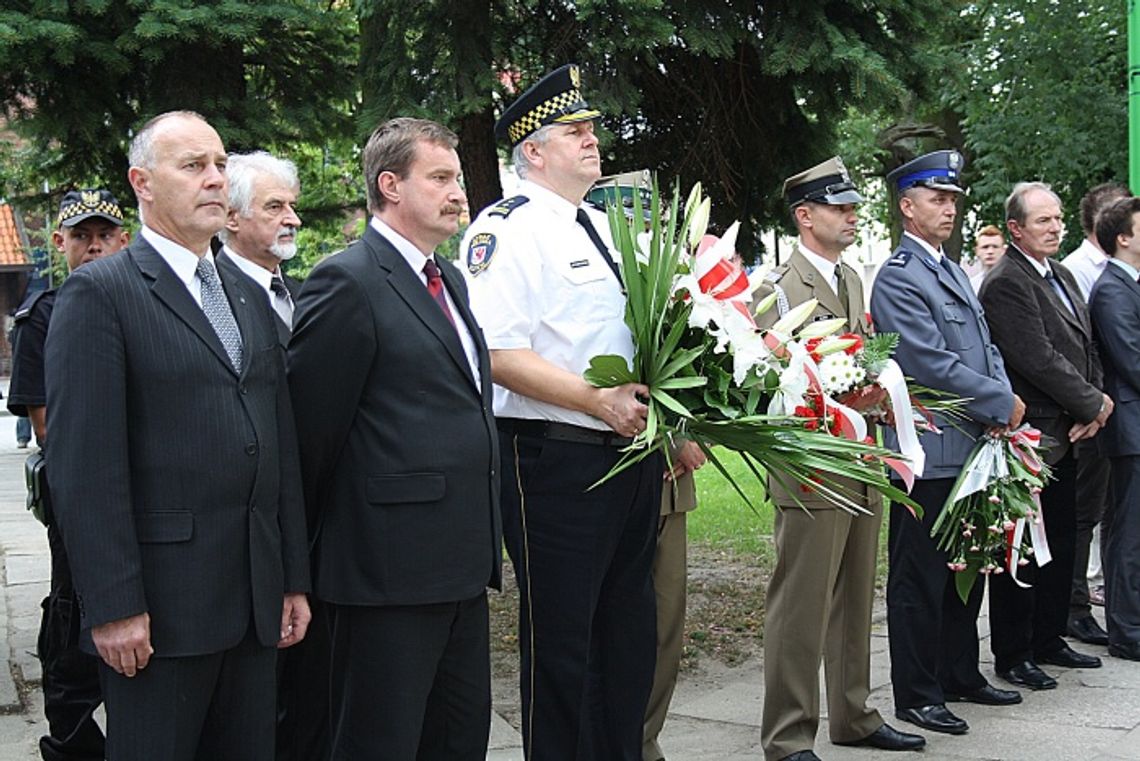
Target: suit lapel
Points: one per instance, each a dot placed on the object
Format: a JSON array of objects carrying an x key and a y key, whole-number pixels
[
  {"x": 1041, "y": 283},
  {"x": 412, "y": 290},
  {"x": 171, "y": 291},
  {"x": 819, "y": 286},
  {"x": 1081, "y": 318}
]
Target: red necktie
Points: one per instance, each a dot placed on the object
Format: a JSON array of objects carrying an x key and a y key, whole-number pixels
[{"x": 435, "y": 288}]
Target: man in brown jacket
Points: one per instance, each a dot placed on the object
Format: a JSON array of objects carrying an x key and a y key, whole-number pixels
[{"x": 823, "y": 586}]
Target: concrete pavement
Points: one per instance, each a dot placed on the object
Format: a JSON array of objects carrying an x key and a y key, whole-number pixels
[{"x": 1093, "y": 714}]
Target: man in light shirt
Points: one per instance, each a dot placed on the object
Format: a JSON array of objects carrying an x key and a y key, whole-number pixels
[{"x": 989, "y": 245}]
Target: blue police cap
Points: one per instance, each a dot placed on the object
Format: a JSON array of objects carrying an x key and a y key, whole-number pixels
[
  {"x": 554, "y": 99},
  {"x": 938, "y": 170}
]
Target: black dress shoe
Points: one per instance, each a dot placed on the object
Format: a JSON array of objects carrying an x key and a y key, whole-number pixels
[
  {"x": 802, "y": 755},
  {"x": 887, "y": 737},
  {"x": 987, "y": 695},
  {"x": 1026, "y": 674},
  {"x": 934, "y": 718},
  {"x": 1087, "y": 630},
  {"x": 1128, "y": 650},
  {"x": 1070, "y": 659}
]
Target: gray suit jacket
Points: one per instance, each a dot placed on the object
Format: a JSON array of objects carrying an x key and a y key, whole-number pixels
[
  {"x": 1049, "y": 351},
  {"x": 944, "y": 343},
  {"x": 398, "y": 446},
  {"x": 174, "y": 478},
  {"x": 1115, "y": 306}
]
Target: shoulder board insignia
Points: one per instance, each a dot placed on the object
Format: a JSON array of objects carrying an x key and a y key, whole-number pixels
[
  {"x": 900, "y": 258},
  {"x": 479, "y": 252},
  {"x": 506, "y": 206},
  {"x": 29, "y": 304},
  {"x": 774, "y": 276}
]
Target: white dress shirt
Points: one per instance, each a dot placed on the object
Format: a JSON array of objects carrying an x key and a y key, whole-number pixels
[
  {"x": 1087, "y": 262},
  {"x": 825, "y": 266},
  {"x": 182, "y": 260}
]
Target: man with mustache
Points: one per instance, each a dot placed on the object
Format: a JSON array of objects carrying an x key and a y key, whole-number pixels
[
  {"x": 174, "y": 469},
  {"x": 90, "y": 226},
  {"x": 1041, "y": 324},
  {"x": 392, "y": 389},
  {"x": 823, "y": 586},
  {"x": 944, "y": 343},
  {"x": 547, "y": 289},
  {"x": 261, "y": 227}
]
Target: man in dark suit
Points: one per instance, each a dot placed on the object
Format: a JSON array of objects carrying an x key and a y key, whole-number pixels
[
  {"x": 391, "y": 384},
  {"x": 1115, "y": 306},
  {"x": 944, "y": 343},
  {"x": 261, "y": 228},
  {"x": 1041, "y": 325},
  {"x": 260, "y": 234},
  {"x": 173, "y": 468}
]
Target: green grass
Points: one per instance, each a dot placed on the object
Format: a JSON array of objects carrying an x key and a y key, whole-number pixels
[{"x": 725, "y": 521}]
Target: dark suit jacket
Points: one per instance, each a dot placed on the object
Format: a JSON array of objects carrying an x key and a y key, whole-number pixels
[
  {"x": 398, "y": 446},
  {"x": 1114, "y": 303},
  {"x": 174, "y": 477},
  {"x": 1049, "y": 351},
  {"x": 291, "y": 284}
]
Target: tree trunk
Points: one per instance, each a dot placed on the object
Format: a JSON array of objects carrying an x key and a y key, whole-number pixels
[{"x": 470, "y": 32}]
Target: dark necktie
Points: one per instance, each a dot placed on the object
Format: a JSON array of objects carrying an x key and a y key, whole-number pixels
[
  {"x": 841, "y": 287},
  {"x": 1052, "y": 280},
  {"x": 584, "y": 221},
  {"x": 282, "y": 301},
  {"x": 435, "y": 288},
  {"x": 217, "y": 309}
]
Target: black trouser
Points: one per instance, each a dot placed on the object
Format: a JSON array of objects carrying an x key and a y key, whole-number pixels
[
  {"x": 1028, "y": 623},
  {"x": 1093, "y": 474},
  {"x": 70, "y": 676},
  {"x": 933, "y": 635},
  {"x": 411, "y": 682},
  {"x": 214, "y": 707},
  {"x": 587, "y": 618},
  {"x": 303, "y": 692},
  {"x": 1122, "y": 554}
]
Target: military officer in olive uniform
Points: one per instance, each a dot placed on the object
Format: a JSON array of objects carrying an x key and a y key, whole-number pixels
[{"x": 823, "y": 586}]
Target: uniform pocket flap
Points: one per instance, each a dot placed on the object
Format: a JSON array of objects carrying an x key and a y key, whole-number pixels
[
  {"x": 164, "y": 526},
  {"x": 953, "y": 313},
  {"x": 406, "y": 487}
]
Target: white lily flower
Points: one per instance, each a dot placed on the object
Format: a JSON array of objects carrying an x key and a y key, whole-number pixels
[
  {"x": 693, "y": 201},
  {"x": 700, "y": 222},
  {"x": 795, "y": 317},
  {"x": 766, "y": 303},
  {"x": 821, "y": 328}
]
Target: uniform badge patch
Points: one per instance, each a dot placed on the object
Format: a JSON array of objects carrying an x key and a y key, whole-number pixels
[{"x": 479, "y": 252}]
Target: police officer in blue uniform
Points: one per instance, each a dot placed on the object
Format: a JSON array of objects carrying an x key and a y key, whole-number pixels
[
  {"x": 546, "y": 289},
  {"x": 90, "y": 226},
  {"x": 944, "y": 343}
]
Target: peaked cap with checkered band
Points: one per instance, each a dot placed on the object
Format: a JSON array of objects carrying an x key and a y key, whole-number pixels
[
  {"x": 554, "y": 99},
  {"x": 78, "y": 205}
]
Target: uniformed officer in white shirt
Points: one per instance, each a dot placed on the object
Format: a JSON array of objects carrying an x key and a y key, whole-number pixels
[{"x": 545, "y": 286}]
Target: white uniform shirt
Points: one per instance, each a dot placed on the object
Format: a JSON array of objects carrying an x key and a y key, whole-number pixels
[
  {"x": 823, "y": 265},
  {"x": 537, "y": 282},
  {"x": 1086, "y": 263},
  {"x": 182, "y": 260}
]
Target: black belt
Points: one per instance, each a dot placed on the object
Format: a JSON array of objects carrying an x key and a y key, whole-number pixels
[{"x": 548, "y": 429}]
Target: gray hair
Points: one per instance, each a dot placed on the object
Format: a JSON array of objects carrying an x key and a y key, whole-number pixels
[
  {"x": 1015, "y": 204},
  {"x": 142, "y": 145},
  {"x": 392, "y": 148},
  {"x": 241, "y": 171},
  {"x": 518, "y": 157}
]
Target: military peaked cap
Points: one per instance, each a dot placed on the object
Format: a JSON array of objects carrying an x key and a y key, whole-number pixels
[
  {"x": 554, "y": 99},
  {"x": 938, "y": 170},
  {"x": 826, "y": 183}
]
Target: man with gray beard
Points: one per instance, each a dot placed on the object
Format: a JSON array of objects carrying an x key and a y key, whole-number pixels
[{"x": 261, "y": 227}]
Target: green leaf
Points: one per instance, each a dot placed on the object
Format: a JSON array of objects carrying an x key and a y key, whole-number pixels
[{"x": 608, "y": 370}]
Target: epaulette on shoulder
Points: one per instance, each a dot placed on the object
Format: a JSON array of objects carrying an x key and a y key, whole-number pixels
[
  {"x": 28, "y": 305},
  {"x": 504, "y": 207},
  {"x": 900, "y": 258},
  {"x": 774, "y": 276}
]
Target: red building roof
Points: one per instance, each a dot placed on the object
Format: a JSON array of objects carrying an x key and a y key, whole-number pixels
[{"x": 11, "y": 250}]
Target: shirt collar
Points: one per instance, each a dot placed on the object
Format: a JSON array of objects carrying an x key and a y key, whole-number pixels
[
  {"x": 825, "y": 266},
  {"x": 262, "y": 276},
  {"x": 412, "y": 255},
  {"x": 935, "y": 252},
  {"x": 182, "y": 260},
  {"x": 1132, "y": 271},
  {"x": 1042, "y": 268},
  {"x": 1090, "y": 252},
  {"x": 549, "y": 199}
]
